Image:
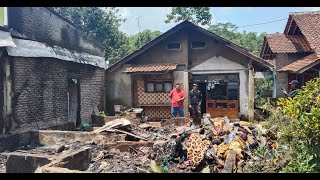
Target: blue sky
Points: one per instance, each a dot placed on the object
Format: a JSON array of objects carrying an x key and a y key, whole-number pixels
[{"x": 153, "y": 17}]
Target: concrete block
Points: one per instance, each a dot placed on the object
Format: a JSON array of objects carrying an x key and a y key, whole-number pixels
[
  {"x": 78, "y": 160},
  {"x": 25, "y": 163}
]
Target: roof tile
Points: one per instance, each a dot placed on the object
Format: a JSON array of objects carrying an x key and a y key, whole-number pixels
[
  {"x": 298, "y": 65},
  {"x": 309, "y": 24},
  {"x": 151, "y": 68},
  {"x": 280, "y": 43}
]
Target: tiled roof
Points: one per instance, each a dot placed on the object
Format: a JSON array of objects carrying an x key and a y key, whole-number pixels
[
  {"x": 308, "y": 61},
  {"x": 151, "y": 68},
  {"x": 258, "y": 62},
  {"x": 280, "y": 43},
  {"x": 309, "y": 24}
]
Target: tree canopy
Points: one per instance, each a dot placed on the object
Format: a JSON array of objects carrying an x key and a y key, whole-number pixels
[
  {"x": 102, "y": 24},
  {"x": 198, "y": 15},
  {"x": 248, "y": 40},
  {"x": 142, "y": 38}
]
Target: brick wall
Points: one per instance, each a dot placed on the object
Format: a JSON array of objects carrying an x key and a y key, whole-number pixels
[
  {"x": 40, "y": 87},
  {"x": 91, "y": 91}
]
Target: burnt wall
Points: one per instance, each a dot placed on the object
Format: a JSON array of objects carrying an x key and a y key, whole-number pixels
[
  {"x": 1, "y": 91},
  {"x": 43, "y": 25},
  {"x": 91, "y": 91},
  {"x": 40, "y": 87},
  {"x": 118, "y": 89}
]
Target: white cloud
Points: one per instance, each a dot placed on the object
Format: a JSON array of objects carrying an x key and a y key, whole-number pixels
[
  {"x": 226, "y": 8},
  {"x": 233, "y": 8},
  {"x": 312, "y": 8},
  {"x": 150, "y": 18},
  {"x": 124, "y": 12}
]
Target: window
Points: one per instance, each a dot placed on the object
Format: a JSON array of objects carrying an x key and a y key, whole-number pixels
[
  {"x": 174, "y": 46},
  {"x": 158, "y": 87},
  {"x": 150, "y": 87},
  {"x": 198, "y": 45},
  {"x": 167, "y": 87}
]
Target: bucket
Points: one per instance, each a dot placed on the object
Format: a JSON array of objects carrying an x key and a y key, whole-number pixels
[{"x": 117, "y": 108}]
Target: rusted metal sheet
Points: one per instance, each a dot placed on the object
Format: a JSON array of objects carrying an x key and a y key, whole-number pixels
[{"x": 27, "y": 48}]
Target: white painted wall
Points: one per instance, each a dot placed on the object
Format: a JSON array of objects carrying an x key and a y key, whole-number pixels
[
  {"x": 178, "y": 78},
  {"x": 227, "y": 66}
]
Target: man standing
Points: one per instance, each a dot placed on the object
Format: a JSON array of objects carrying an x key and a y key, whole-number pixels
[
  {"x": 195, "y": 99},
  {"x": 177, "y": 96},
  {"x": 294, "y": 88}
]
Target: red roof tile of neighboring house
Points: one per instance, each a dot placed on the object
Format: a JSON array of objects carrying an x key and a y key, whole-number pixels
[
  {"x": 301, "y": 65},
  {"x": 151, "y": 68},
  {"x": 309, "y": 25},
  {"x": 280, "y": 43}
]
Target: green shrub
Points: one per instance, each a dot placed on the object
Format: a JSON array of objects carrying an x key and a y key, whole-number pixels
[
  {"x": 301, "y": 130},
  {"x": 303, "y": 112}
]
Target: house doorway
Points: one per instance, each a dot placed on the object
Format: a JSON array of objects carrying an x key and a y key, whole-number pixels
[
  {"x": 74, "y": 101},
  {"x": 220, "y": 93}
]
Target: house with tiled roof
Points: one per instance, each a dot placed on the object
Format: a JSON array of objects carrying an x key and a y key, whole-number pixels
[
  {"x": 295, "y": 52},
  {"x": 185, "y": 54}
]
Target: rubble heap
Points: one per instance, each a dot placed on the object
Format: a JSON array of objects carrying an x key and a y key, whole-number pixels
[
  {"x": 171, "y": 146},
  {"x": 217, "y": 145}
]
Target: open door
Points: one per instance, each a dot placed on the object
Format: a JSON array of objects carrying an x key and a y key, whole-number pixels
[
  {"x": 74, "y": 101},
  {"x": 223, "y": 96}
]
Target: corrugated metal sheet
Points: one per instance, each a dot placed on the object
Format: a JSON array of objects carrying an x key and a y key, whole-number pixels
[
  {"x": 6, "y": 39},
  {"x": 27, "y": 48}
]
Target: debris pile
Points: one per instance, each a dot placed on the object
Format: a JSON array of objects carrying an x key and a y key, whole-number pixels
[{"x": 217, "y": 145}]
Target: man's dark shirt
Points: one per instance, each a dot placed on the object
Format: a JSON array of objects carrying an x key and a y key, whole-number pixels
[
  {"x": 292, "y": 92},
  {"x": 195, "y": 97}
]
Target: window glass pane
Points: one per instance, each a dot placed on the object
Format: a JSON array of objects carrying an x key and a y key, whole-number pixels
[
  {"x": 150, "y": 87},
  {"x": 233, "y": 88},
  {"x": 167, "y": 87},
  {"x": 198, "y": 45},
  {"x": 174, "y": 46},
  {"x": 159, "y": 87}
]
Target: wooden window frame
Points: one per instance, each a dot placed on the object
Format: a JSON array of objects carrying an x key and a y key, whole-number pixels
[
  {"x": 173, "y": 49},
  {"x": 154, "y": 86},
  {"x": 205, "y": 45}
]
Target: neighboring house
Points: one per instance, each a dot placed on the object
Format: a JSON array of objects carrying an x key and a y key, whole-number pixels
[
  {"x": 51, "y": 74},
  {"x": 295, "y": 52},
  {"x": 185, "y": 54}
]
